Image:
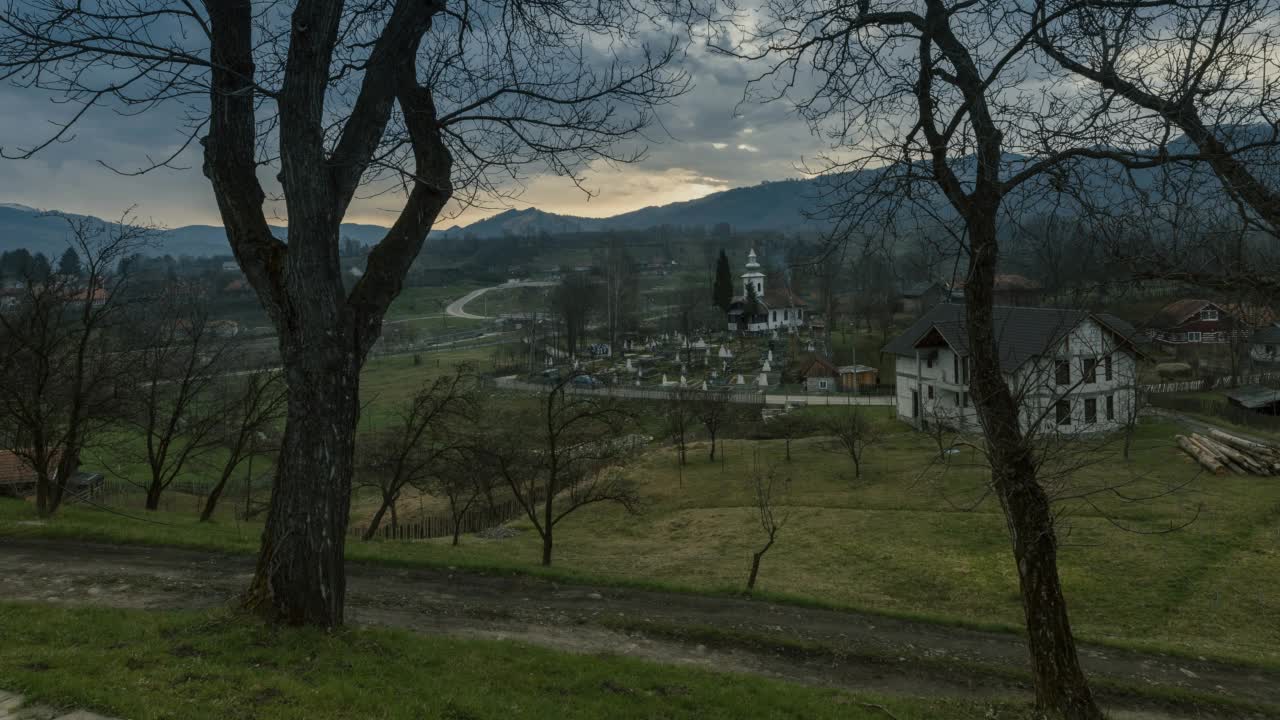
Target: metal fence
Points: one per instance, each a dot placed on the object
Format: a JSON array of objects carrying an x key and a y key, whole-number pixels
[
  {"x": 878, "y": 395},
  {"x": 1211, "y": 383}
]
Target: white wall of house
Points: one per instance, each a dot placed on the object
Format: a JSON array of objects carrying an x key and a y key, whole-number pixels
[{"x": 943, "y": 391}]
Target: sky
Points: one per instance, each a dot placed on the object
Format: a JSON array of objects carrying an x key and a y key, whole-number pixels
[{"x": 706, "y": 142}]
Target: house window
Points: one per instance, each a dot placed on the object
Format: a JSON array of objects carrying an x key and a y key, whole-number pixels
[
  {"x": 775, "y": 316},
  {"x": 1064, "y": 412},
  {"x": 955, "y": 368},
  {"x": 964, "y": 370},
  {"x": 1106, "y": 364},
  {"x": 1062, "y": 370},
  {"x": 1193, "y": 337},
  {"x": 1090, "y": 411},
  {"x": 928, "y": 362},
  {"x": 1089, "y": 367},
  {"x": 822, "y": 384},
  {"x": 1209, "y": 314},
  {"x": 1111, "y": 407},
  {"x": 930, "y": 392},
  {"x": 964, "y": 399}
]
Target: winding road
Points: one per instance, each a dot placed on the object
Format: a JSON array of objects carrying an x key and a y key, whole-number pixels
[{"x": 455, "y": 308}]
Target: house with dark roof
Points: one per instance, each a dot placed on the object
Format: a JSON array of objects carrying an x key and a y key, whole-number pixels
[
  {"x": 1194, "y": 321},
  {"x": 1072, "y": 371},
  {"x": 916, "y": 298},
  {"x": 1264, "y": 344},
  {"x": 761, "y": 309}
]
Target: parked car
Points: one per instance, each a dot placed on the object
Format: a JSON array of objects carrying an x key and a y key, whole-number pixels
[{"x": 588, "y": 381}]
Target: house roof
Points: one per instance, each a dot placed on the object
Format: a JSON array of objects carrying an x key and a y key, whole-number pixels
[
  {"x": 1177, "y": 312},
  {"x": 1269, "y": 335},
  {"x": 857, "y": 369},
  {"x": 818, "y": 366},
  {"x": 1021, "y": 332},
  {"x": 1254, "y": 396},
  {"x": 916, "y": 290},
  {"x": 14, "y": 469},
  {"x": 1006, "y": 282}
]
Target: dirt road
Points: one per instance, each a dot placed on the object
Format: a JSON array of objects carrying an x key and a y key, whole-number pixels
[{"x": 838, "y": 649}]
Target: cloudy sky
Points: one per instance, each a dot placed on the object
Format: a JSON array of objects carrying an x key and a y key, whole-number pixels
[{"x": 706, "y": 143}]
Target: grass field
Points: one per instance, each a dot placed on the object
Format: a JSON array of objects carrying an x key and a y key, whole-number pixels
[
  {"x": 149, "y": 665},
  {"x": 900, "y": 541},
  {"x": 415, "y": 302}
]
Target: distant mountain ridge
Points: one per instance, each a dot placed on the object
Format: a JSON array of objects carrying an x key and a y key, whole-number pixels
[{"x": 785, "y": 205}]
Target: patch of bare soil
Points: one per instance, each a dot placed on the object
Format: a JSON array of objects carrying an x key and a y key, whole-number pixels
[{"x": 821, "y": 647}]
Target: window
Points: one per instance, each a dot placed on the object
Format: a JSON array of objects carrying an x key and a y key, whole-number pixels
[
  {"x": 955, "y": 368},
  {"x": 964, "y": 370},
  {"x": 1062, "y": 370},
  {"x": 930, "y": 392},
  {"x": 1111, "y": 407},
  {"x": 1193, "y": 337},
  {"x": 822, "y": 384},
  {"x": 964, "y": 399},
  {"x": 1209, "y": 314},
  {"x": 1089, "y": 368},
  {"x": 775, "y": 316},
  {"x": 1106, "y": 364},
  {"x": 1064, "y": 412},
  {"x": 928, "y": 361},
  {"x": 1090, "y": 411}
]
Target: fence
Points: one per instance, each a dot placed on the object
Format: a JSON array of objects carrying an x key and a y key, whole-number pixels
[
  {"x": 1210, "y": 383},
  {"x": 1217, "y": 408},
  {"x": 879, "y": 395},
  {"x": 437, "y": 526}
]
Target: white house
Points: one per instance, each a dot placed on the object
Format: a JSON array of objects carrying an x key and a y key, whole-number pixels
[
  {"x": 1072, "y": 371},
  {"x": 775, "y": 309}
]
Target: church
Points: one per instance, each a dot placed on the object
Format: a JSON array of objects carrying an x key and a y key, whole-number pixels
[{"x": 761, "y": 309}]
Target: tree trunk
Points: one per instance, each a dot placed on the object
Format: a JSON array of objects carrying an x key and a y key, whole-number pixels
[
  {"x": 546, "y": 547},
  {"x": 300, "y": 577},
  {"x": 43, "y": 495},
  {"x": 375, "y": 521},
  {"x": 215, "y": 494},
  {"x": 153, "y": 495},
  {"x": 755, "y": 570},
  {"x": 713, "y": 447},
  {"x": 1061, "y": 688}
]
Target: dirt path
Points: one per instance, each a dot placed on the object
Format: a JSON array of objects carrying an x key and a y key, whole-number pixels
[{"x": 838, "y": 649}]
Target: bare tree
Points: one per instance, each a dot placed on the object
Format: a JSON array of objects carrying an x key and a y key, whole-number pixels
[
  {"x": 680, "y": 414},
  {"x": 61, "y": 375},
  {"x": 788, "y": 427},
  {"x": 253, "y": 406},
  {"x": 572, "y": 300},
  {"x": 177, "y": 356},
  {"x": 462, "y": 481},
  {"x": 427, "y": 100},
  {"x": 410, "y": 451},
  {"x": 852, "y": 433},
  {"x": 931, "y": 100},
  {"x": 563, "y": 458},
  {"x": 714, "y": 412},
  {"x": 767, "y": 495}
]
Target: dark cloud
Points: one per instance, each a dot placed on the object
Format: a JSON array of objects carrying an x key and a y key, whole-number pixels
[{"x": 708, "y": 140}]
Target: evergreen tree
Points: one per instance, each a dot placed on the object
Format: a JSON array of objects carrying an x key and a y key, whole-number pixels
[
  {"x": 722, "y": 291},
  {"x": 40, "y": 270},
  {"x": 69, "y": 264}
]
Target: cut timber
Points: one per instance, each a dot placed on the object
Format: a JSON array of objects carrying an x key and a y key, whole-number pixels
[
  {"x": 1207, "y": 461},
  {"x": 1234, "y": 457},
  {"x": 1267, "y": 451}
]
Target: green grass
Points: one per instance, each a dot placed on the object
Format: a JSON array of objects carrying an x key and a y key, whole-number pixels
[
  {"x": 415, "y": 302},
  {"x": 152, "y": 665},
  {"x": 907, "y": 540}
]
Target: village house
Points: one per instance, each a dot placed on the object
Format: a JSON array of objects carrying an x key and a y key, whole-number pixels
[
  {"x": 917, "y": 298},
  {"x": 1264, "y": 344},
  {"x": 761, "y": 309},
  {"x": 1072, "y": 371},
  {"x": 1194, "y": 321}
]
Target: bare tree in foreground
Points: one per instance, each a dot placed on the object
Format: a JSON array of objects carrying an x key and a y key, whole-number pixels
[
  {"x": 767, "y": 495},
  {"x": 463, "y": 482},
  {"x": 61, "y": 374},
  {"x": 563, "y": 458},
  {"x": 852, "y": 432},
  {"x": 254, "y": 405},
  {"x": 425, "y": 100}
]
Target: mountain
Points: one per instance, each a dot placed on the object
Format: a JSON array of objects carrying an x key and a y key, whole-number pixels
[
  {"x": 777, "y": 205},
  {"x": 47, "y": 232}
]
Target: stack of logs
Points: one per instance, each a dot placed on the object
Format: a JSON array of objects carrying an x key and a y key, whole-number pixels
[{"x": 1221, "y": 452}]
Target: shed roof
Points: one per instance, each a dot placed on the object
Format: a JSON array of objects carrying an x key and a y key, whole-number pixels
[{"x": 1253, "y": 396}]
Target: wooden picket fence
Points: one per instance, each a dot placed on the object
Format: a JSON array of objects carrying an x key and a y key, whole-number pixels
[{"x": 437, "y": 526}]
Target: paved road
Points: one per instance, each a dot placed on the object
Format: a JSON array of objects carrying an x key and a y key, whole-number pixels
[
  {"x": 849, "y": 650},
  {"x": 456, "y": 307}
]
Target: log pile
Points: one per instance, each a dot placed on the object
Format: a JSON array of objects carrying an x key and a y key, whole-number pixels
[{"x": 1221, "y": 453}]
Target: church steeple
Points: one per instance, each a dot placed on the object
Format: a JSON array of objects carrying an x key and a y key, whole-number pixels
[{"x": 753, "y": 278}]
